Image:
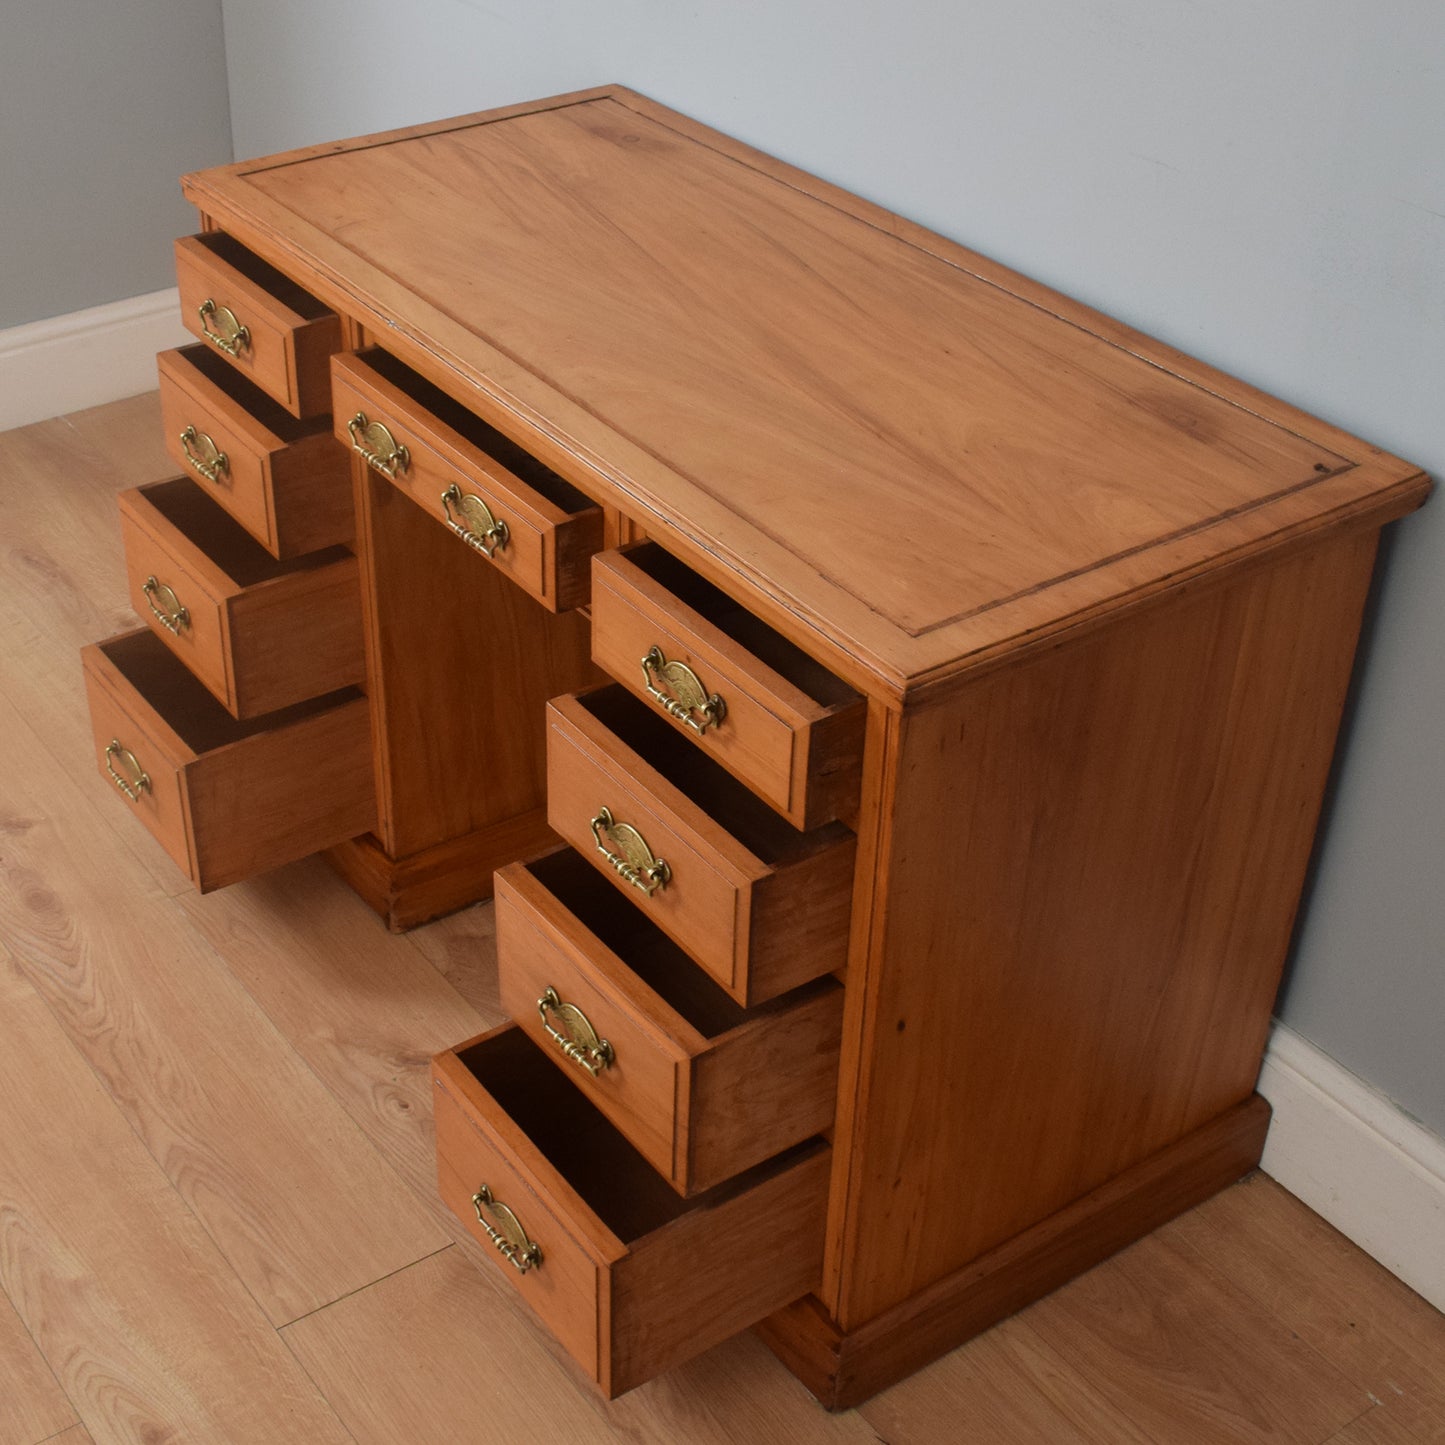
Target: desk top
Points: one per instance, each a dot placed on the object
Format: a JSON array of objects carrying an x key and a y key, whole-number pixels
[{"x": 903, "y": 455}]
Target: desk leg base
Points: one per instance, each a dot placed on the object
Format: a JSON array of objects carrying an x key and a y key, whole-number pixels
[
  {"x": 422, "y": 886},
  {"x": 844, "y": 1368}
]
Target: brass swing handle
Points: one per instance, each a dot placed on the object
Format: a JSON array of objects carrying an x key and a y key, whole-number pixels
[
  {"x": 229, "y": 334},
  {"x": 574, "y": 1034},
  {"x": 204, "y": 456},
  {"x": 374, "y": 443},
  {"x": 507, "y": 1234},
  {"x": 688, "y": 697},
  {"x": 634, "y": 861},
  {"x": 139, "y": 780},
  {"x": 166, "y": 606},
  {"x": 474, "y": 522}
]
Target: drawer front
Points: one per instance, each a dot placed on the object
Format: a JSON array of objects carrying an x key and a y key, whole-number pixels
[
  {"x": 275, "y": 334},
  {"x": 474, "y": 1155},
  {"x": 228, "y": 799},
  {"x": 631, "y": 1279},
  {"x": 759, "y": 926},
  {"x": 174, "y": 590},
  {"x": 799, "y": 752},
  {"x": 639, "y": 1074},
  {"x": 542, "y": 546},
  {"x": 288, "y": 485},
  {"x": 141, "y": 757},
  {"x": 702, "y": 1088},
  {"x": 261, "y": 634}
]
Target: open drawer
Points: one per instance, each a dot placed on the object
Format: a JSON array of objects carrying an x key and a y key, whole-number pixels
[
  {"x": 287, "y": 482},
  {"x": 505, "y": 504},
  {"x": 629, "y": 1277},
  {"x": 760, "y": 906},
  {"x": 226, "y": 799},
  {"x": 261, "y": 634},
  {"x": 702, "y": 1087},
  {"x": 263, "y": 323},
  {"x": 745, "y": 695}
]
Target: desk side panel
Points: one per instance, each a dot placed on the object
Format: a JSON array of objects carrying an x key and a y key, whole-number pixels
[{"x": 1084, "y": 899}]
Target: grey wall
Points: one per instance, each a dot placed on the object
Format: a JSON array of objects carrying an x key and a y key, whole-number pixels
[
  {"x": 1262, "y": 184},
  {"x": 102, "y": 106}
]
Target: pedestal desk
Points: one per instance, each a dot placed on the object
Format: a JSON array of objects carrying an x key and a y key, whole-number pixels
[{"x": 898, "y": 700}]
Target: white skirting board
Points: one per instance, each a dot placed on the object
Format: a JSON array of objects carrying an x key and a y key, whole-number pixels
[
  {"x": 1357, "y": 1160},
  {"x": 85, "y": 358}
]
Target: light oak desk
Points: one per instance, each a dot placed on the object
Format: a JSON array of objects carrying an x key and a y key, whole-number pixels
[{"x": 973, "y": 666}]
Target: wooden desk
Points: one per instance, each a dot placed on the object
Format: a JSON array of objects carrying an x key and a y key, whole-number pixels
[{"x": 922, "y": 932}]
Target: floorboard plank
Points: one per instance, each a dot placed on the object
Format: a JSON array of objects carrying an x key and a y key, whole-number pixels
[
  {"x": 153, "y": 1338},
  {"x": 1382, "y": 1426},
  {"x": 1174, "y": 1346},
  {"x": 463, "y": 948},
  {"x": 62, "y": 574},
  {"x": 1371, "y": 1327},
  {"x": 360, "y": 1005},
  {"x": 252, "y": 1140},
  {"x": 480, "y": 1370},
  {"x": 1006, "y": 1387},
  {"x": 32, "y": 1404},
  {"x": 127, "y": 436}
]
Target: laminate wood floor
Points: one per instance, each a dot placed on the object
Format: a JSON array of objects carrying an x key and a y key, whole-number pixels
[{"x": 217, "y": 1213}]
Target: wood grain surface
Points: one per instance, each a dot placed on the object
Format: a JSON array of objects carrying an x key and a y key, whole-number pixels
[
  {"x": 549, "y": 539},
  {"x": 287, "y": 482},
  {"x": 1193, "y": 1314},
  {"x": 1005, "y": 1385},
  {"x": 357, "y": 1010},
  {"x": 505, "y": 1383},
  {"x": 290, "y": 336},
  {"x": 32, "y": 1404},
  {"x": 1368, "y": 1325},
  {"x": 150, "y": 1333},
  {"x": 191, "y": 1059},
  {"x": 1131, "y": 899},
  {"x": 799, "y": 749},
  {"x": 259, "y": 633},
  {"x": 656, "y": 300},
  {"x": 477, "y": 688},
  {"x": 759, "y": 906}
]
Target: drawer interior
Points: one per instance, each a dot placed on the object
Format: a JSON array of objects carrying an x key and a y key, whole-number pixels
[
  {"x": 166, "y": 684},
  {"x": 243, "y": 559},
  {"x": 245, "y": 393},
  {"x": 730, "y": 617},
  {"x": 631, "y": 935},
  {"x": 253, "y": 268},
  {"x": 613, "y": 1179},
  {"x": 537, "y": 475},
  {"x": 752, "y": 822}
]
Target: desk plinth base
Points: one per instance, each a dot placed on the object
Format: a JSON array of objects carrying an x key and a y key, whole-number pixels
[
  {"x": 845, "y": 1368},
  {"x": 422, "y": 886}
]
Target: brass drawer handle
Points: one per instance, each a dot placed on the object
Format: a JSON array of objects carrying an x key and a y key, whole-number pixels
[
  {"x": 166, "y": 605},
  {"x": 373, "y": 441},
  {"x": 688, "y": 697},
  {"x": 204, "y": 456},
  {"x": 230, "y": 335},
  {"x": 476, "y": 526},
  {"x": 139, "y": 780},
  {"x": 508, "y": 1235},
  {"x": 635, "y": 862},
  {"x": 574, "y": 1035}
]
